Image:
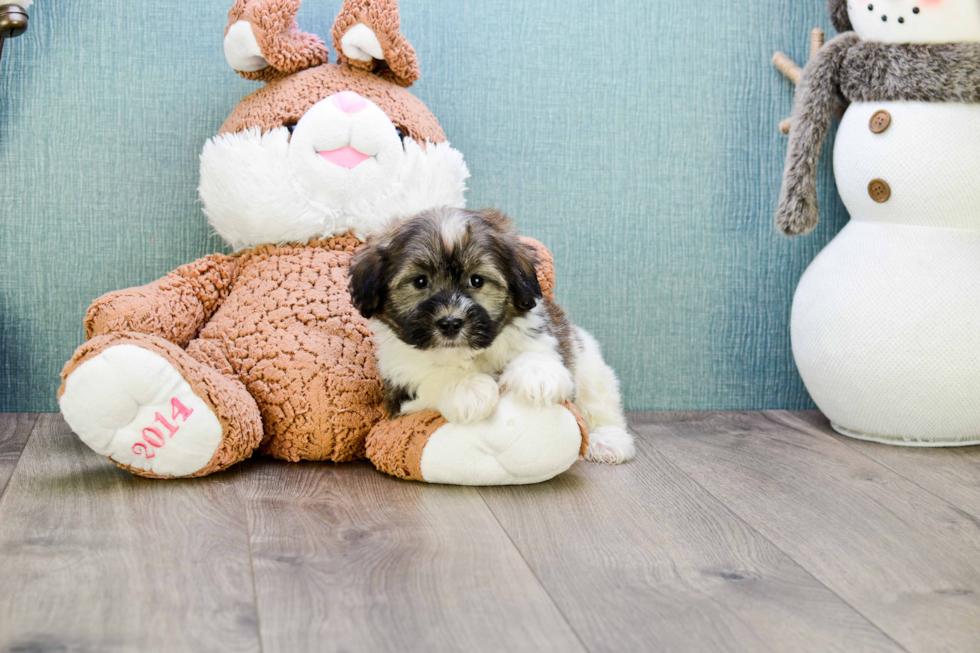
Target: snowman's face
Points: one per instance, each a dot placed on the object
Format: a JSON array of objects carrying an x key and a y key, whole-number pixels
[{"x": 916, "y": 21}]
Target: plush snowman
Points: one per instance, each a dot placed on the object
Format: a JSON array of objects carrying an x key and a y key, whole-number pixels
[{"x": 886, "y": 320}]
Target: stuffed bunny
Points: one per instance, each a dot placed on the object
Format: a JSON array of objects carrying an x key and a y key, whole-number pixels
[
  {"x": 885, "y": 319},
  {"x": 262, "y": 349}
]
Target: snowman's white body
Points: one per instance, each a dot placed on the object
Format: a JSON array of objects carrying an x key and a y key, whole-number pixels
[{"x": 886, "y": 320}]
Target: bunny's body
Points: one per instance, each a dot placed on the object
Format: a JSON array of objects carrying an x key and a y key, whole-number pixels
[
  {"x": 262, "y": 349},
  {"x": 884, "y": 323}
]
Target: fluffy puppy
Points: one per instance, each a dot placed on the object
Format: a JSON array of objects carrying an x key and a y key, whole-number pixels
[{"x": 459, "y": 317}]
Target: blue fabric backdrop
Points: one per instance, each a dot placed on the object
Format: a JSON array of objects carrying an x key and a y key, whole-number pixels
[{"x": 637, "y": 138}]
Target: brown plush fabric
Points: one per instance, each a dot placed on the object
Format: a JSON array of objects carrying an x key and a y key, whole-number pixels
[
  {"x": 581, "y": 426},
  {"x": 400, "y": 64},
  {"x": 235, "y": 409},
  {"x": 173, "y": 308},
  {"x": 285, "y": 101},
  {"x": 290, "y": 333},
  {"x": 283, "y": 45},
  {"x": 395, "y": 446},
  {"x": 545, "y": 268}
]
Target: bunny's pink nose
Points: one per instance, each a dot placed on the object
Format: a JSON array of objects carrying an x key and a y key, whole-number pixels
[{"x": 349, "y": 101}]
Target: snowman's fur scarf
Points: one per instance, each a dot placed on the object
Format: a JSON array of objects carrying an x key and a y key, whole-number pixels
[
  {"x": 879, "y": 72},
  {"x": 838, "y": 15},
  {"x": 817, "y": 96},
  {"x": 846, "y": 70}
]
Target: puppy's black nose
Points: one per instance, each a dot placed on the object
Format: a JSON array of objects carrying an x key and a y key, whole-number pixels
[{"x": 450, "y": 326}]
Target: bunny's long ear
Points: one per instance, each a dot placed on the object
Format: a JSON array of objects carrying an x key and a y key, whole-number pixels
[
  {"x": 367, "y": 35},
  {"x": 263, "y": 41}
]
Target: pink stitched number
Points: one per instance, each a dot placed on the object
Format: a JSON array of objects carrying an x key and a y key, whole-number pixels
[
  {"x": 180, "y": 410},
  {"x": 167, "y": 425},
  {"x": 153, "y": 437},
  {"x": 146, "y": 451}
]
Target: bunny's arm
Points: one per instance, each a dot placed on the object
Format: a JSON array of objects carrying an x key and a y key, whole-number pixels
[
  {"x": 817, "y": 98},
  {"x": 173, "y": 308}
]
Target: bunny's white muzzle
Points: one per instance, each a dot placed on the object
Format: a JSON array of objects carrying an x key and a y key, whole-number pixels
[{"x": 344, "y": 149}]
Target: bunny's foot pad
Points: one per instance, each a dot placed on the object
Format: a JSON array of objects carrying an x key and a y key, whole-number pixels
[
  {"x": 132, "y": 406},
  {"x": 517, "y": 445}
]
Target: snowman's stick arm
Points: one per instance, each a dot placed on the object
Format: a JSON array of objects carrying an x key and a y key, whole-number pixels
[
  {"x": 793, "y": 72},
  {"x": 813, "y": 111}
]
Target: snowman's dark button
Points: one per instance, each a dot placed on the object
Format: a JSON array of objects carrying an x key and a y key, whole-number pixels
[
  {"x": 881, "y": 121},
  {"x": 880, "y": 191}
]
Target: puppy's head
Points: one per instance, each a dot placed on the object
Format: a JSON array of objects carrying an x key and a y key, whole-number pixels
[{"x": 446, "y": 278}]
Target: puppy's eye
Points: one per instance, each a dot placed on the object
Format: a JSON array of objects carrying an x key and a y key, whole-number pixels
[
  {"x": 421, "y": 283},
  {"x": 476, "y": 281}
]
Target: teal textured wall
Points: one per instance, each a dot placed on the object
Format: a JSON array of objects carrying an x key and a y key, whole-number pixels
[{"x": 636, "y": 138}]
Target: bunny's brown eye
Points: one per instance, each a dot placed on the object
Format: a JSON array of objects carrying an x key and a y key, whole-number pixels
[{"x": 401, "y": 134}]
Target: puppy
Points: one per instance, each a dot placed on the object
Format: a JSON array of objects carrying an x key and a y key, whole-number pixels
[{"x": 459, "y": 317}]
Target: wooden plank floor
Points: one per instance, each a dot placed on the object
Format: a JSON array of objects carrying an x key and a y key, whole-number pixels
[{"x": 730, "y": 532}]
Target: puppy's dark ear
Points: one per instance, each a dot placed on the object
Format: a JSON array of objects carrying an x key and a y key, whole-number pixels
[
  {"x": 368, "y": 280},
  {"x": 523, "y": 284}
]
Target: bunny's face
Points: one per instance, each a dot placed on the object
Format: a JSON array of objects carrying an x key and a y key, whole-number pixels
[
  {"x": 916, "y": 21},
  {"x": 324, "y": 149}
]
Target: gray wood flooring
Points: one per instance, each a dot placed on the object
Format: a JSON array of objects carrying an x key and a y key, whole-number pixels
[{"x": 730, "y": 532}]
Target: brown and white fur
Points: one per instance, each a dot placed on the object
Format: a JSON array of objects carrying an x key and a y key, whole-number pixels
[{"x": 460, "y": 318}]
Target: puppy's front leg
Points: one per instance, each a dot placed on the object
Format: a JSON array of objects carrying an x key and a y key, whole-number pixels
[
  {"x": 462, "y": 397},
  {"x": 538, "y": 379}
]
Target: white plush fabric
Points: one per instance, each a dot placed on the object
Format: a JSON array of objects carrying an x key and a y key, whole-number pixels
[
  {"x": 928, "y": 155},
  {"x": 327, "y": 127},
  {"x": 518, "y": 445},
  {"x": 885, "y": 320},
  {"x": 111, "y": 398},
  {"x": 261, "y": 188},
  {"x": 885, "y": 332},
  {"x": 242, "y": 50},
  {"x": 361, "y": 43},
  {"x": 896, "y": 21}
]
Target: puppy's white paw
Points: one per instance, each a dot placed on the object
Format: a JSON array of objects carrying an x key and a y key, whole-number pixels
[
  {"x": 611, "y": 445},
  {"x": 538, "y": 380},
  {"x": 470, "y": 400}
]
